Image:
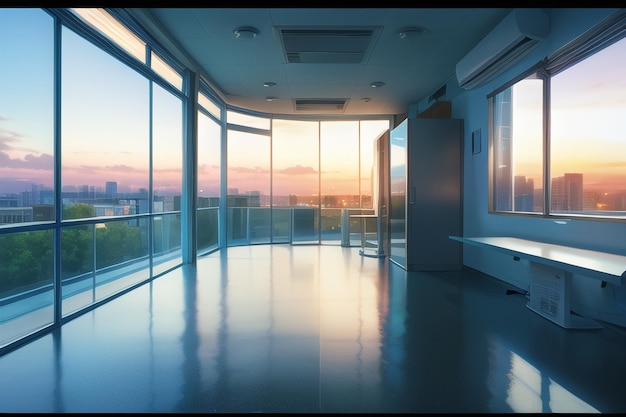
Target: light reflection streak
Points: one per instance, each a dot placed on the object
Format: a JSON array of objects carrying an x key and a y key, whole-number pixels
[{"x": 530, "y": 391}]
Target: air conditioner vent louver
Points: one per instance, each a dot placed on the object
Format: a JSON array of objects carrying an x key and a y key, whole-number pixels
[
  {"x": 325, "y": 45},
  {"x": 515, "y": 36},
  {"x": 320, "y": 105},
  {"x": 293, "y": 58}
]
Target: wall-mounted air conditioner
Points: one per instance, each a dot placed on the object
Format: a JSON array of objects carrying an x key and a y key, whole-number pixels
[{"x": 508, "y": 42}]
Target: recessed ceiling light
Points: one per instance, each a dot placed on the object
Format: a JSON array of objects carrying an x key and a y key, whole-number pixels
[
  {"x": 377, "y": 84},
  {"x": 271, "y": 98},
  {"x": 245, "y": 33},
  {"x": 269, "y": 84},
  {"x": 366, "y": 99}
]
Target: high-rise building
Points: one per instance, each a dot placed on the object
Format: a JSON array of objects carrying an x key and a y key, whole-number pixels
[
  {"x": 111, "y": 189},
  {"x": 567, "y": 192}
]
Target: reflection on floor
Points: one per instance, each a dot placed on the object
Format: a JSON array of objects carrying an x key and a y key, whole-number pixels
[{"x": 316, "y": 329}]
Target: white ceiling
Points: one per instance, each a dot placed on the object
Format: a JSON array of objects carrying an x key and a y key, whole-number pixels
[{"x": 412, "y": 68}]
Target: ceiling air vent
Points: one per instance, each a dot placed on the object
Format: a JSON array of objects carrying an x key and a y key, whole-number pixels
[
  {"x": 333, "y": 105},
  {"x": 326, "y": 45}
]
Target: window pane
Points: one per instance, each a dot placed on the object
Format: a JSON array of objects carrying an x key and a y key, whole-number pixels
[
  {"x": 166, "y": 71},
  {"x": 518, "y": 147},
  {"x": 207, "y": 229},
  {"x": 587, "y": 141},
  {"x": 295, "y": 179},
  {"x": 209, "y": 175},
  {"x": 26, "y": 117},
  {"x": 209, "y": 162},
  {"x": 167, "y": 243},
  {"x": 209, "y": 106},
  {"x": 121, "y": 256},
  {"x": 105, "y": 128},
  {"x": 167, "y": 155},
  {"x": 117, "y": 249},
  {"x": 248, "y": 178},
  {"x": 243, "y": 119},
  {"x": 339, "y": 169},
  {"x": 26, "y": 283},
  {"x": 77, "y": 266},
  {"x": 114, "y": 30},
  {"x": 370, "y": 131}
]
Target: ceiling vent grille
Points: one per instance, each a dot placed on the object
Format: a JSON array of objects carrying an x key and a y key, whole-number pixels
[
  {"x": 333, "y": 105},
  {"x": 326, "y": 45}
]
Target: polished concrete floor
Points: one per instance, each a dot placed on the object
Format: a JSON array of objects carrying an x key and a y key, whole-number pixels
[{"x": 316, "y": 329}]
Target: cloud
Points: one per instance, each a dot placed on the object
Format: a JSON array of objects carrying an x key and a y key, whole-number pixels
[
  {"x": 167, "y": 170},
  {"x": 111, "y": 169},
  {"x": 6, "y": 137},
  {"x": 297, "y": 170},
  {"x": 30, "y": 161},
  {"x": 121, "y": 168},
  {"x": 246, "y": 170}
]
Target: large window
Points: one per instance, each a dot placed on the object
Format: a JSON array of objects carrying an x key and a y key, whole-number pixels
[
  {"x": 105, "y": 132},
  {"x": 295, "y": 180},
  {"x": 27, "y": 186},
  {"x": 575, "y": 165},
  {"x": 167, "y": 178},
  {"x": 91, "y": 167},
  {"x": 339, "y": 184},
  {"x": 248, "y": 179},
  {"x": 26, "y": 117},
  {"x": 300, "y": 184}
]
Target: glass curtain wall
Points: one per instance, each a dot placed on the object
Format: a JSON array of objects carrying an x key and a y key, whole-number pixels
[
  {"x": 91, "y": 171},
  {"x": 321, "y": 172}
]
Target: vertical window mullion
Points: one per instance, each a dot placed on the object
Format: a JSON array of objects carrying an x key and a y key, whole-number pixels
[{"x": 547, "y": 192}]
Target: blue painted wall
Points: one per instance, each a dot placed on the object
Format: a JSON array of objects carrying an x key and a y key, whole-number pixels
[{"x": 587, "y": 298}]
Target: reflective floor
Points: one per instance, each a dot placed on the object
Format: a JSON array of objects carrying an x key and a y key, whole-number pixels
[{"x": 316, "y": 329}]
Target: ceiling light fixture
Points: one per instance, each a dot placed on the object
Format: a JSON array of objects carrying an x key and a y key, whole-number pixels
[
  {"x": 377, "y": 84},
  {"x": 366, "y": 99},
  {"x": 245, "y": 33},
  {"x": 271, "y": 98},
  {"x": 410, "y": 32},
  {"x": 269, "y": 84}
]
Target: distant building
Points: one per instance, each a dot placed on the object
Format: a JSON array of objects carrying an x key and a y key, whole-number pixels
[
  {"x": 567, "y": 193},
  {"x": 524, "y": 193},
  {"x": 111, "y": 189}
]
